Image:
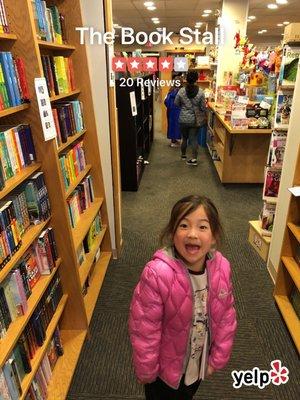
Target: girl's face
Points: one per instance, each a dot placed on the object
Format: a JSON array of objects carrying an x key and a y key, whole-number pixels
[{"x": 193, "y": 238}]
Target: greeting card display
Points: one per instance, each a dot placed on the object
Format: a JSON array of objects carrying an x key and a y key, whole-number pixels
[
  {"x": 271, "y": 184},
  {"x": 289, "y": 66}
]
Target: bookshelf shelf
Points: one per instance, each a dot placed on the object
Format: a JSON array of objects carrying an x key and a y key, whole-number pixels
[
  {"x": 65, "y": 366},
  {"x": 290, "y": 317},
  {"x": 55, "y": 46},
  {"x": 16, "y": 180},
  {"x": 71, "y": 139},
  {"x": 41, "y": 351},
  {"x": 295, "y": 229},
  {"x": 8, "y": 36},
  {"x": 86, "y": 219},
  {"x": 64, "y": 95},
  {"x": 29, "y": 236},
  {"x": 13, "y": 110},
  {"x": 78, "y": 180},
  {"x": 288, "y": 275},
  {"x": 84, "y": 269},
  {"x": 293, "y": 268},
  {"x": 96, "y": 283},
  {"x": 16, "y": 327}
]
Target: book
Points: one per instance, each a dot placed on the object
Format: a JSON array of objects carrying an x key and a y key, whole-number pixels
[
  {"x": 271, "y": 184},
  {"x": 289, "y": 66},
  {"x": 283, "y": 109},
  {"x": 267, "y": 218}
]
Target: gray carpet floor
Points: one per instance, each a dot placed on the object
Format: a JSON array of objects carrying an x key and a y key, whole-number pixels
[{"x": 104, "y": 370}]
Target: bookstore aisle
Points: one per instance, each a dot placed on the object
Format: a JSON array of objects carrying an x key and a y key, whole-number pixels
[{"x": 104, "y": 370}]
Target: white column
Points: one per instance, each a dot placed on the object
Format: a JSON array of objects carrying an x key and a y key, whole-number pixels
[
  {"x": 233, "y": 19},
  {"x": 93, "y": 16}
]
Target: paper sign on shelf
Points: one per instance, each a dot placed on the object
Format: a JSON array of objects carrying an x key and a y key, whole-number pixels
[
  {"x": 133, "y": 103},
  {"x": 45, "y": 110},
  {"x": 295, "y": 191}
]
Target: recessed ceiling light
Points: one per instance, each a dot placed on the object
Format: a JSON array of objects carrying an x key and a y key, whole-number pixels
[
  {"x": 281, "y": 1},
  {"x": 205, "y": 15},
  {"x": 272, "y": 6},
  {"x": 279, "y": 24},
  {"x": 252, "y": 17},
  {"x": 148, "y": 4},
  {"x": 286, "y": 22},
  {"x": 207, "y": 11},
  {"x": 156, "y": 22},
  {"x": 151, "y": 8},
  {"x": 155, "y": 19}
]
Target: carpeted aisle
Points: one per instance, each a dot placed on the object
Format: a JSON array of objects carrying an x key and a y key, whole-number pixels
[{"x": 104, "y": 370}]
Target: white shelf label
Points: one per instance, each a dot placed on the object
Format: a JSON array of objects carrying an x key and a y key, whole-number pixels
[
  {"x": 133, "y": 103},
  {"x": 45, "y": 110}
]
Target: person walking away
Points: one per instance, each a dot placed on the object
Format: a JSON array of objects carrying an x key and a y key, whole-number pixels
[
  {"x": 173, "y": 132},
  {"x": 191, "y": 101},
  {"x": 182, "y": 318}
]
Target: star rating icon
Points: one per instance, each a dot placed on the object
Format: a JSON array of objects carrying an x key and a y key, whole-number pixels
[
  {"x": 134, "y": 64},
  {"x": 165, "y": 64},
  {"x": 180, "y": 64},
  {"x": 119, "y": 64},
  {"x": 149, "y": 64}
]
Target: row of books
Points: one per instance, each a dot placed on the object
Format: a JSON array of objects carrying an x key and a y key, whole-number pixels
[
  {"x": 4, "y": 27},
  {"x": 49, "y": 23},
  {"x": 16, "y": 289},
  {"x": 39, "y": 387},
  {"x": 13, "y": 83},
  {"x": 72, "y": 163},
  {"x": 89, "y": 239},
  {"x": 59, "y": 74},
  {"x": 68, "y": 119},
  {"x": 28, "y": 204},
  {"x": 16, "y": 150},
  {"x": 80, "y": 200},
  {"x": 18, "y": 365}
]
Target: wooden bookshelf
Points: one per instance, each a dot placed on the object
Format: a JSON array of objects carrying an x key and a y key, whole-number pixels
[
  {"x": 79, "y": 178},
  {"x": 74, "y": 311},
  {"x": 96, "y": 283},
  {"x": 55, "y": 46},
  {"x": 16, "y": 180},
  {"x": 41, "y": 350},
  {"x": 64, "y": 95},
  {"x": 86, "y": 219},
  {"x": 84, "y": 269},
  {"x": 8, "y": 36},
  {"x": 28, "y": 238},
  {"x": 71, "y": 139},
  {"x": 288, "y": 274},
  {"x": 13, "y": 110},
  {"x": 8, "y": 343}
]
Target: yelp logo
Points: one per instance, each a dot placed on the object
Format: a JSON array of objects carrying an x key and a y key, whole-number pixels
[{"x": 257, "y": 377}]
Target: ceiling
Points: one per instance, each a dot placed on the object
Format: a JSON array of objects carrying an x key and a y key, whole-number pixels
[{"x": 175, "y": 14}]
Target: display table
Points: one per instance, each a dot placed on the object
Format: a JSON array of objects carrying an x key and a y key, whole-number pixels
[{"x": 238, "y": 155}]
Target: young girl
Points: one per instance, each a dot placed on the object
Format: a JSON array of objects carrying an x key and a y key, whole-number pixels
[{"x": 182, "y": 318}]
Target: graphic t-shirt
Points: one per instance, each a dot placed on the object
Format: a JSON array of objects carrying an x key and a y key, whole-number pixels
[{"x": 195, "y": 363}]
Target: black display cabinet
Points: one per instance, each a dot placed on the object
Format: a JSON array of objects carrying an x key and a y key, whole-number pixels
[{"x": 135, "y": 131}]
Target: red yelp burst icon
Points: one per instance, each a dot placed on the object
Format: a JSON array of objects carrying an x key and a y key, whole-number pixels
[{"x": 279, "y": 374}]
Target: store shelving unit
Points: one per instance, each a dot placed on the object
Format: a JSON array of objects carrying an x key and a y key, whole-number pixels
[
  {"x": 135, "y": 132},
  {"x": 288, "y": 274},
  {"x": 74, "y": 311}
]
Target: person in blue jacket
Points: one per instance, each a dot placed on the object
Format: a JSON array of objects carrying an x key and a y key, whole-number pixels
[{"x": 173, "y": 112}]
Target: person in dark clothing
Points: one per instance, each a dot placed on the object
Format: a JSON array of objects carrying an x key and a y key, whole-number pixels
[
  {"x": 191, "y": 101},
  {"x": 173, "y": 111}
]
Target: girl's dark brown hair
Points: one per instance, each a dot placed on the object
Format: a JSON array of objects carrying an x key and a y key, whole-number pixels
[{"x": 186, "y": 206}]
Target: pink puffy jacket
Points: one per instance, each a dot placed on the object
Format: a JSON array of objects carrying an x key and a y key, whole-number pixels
[{"x": 161, "y": 317}]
